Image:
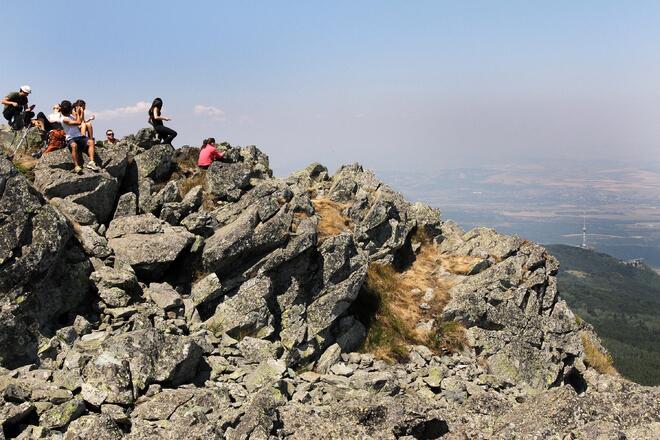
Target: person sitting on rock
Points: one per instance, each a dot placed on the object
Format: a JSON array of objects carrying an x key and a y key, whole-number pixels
[
  {"x": 156, "y": 119},
  {"x": 110, "y": 138},
  {"x": 16, "y": 111},
  {"x": 53, "y": 134},
  {"x": 208, "y": 154},
  {"x": 86, "y": 127},
  {"x": 74, "y": 137}
]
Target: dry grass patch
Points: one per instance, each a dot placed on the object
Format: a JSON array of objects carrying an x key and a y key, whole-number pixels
[
  {"x": 459, "y": 265},
  {"x": 189, "y": 182},
  {"x": 595, "y": 358},
  {"x": 332, "y": 221},
  {"x": 390, "y": 305},
  {"x": 25, "y": 165}
]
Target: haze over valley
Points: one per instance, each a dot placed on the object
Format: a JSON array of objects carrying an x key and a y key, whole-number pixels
[{"x": 548, "y": 202}]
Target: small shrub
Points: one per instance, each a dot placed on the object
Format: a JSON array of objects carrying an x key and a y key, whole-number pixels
[
  {"x": 595, "y": 358},
  {"x": 447, "y": 336}
]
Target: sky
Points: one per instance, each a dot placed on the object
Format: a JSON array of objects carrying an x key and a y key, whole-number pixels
[{"x": 394, "y": 85}]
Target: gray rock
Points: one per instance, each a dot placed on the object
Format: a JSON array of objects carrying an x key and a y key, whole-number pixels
[
  {"x": 353, "y": 337},
  {"x": 93, "y": 244},
  {"x": 246, "y": 312},
  {"x": 140, "y": 358},
  {"x": 43, "y": 274},
  {"x": 96, "y": 191},
  {"x": 228, "y": 181},
  {"x": 81, "y": 325},
  {"x": 13, "y": 414},
  {"x": 266, "y": 373},
  {"x": 74, "y": 211},
  {"x": 344, "y": 270},
  {"x": 245, "y": 238},
  {"x": 200, "y": 223},
  {"x": 144, "y": 139},
  {"x": 164, "y": 296},
  {"x": 162, "y": 405},
  {"x": 114, "y": 285},
  {"x": 61, "y": 415},
  {"x": 149, "y": 245},
  {"x": 329, "y": 357},
  {"x": 527, "y": 334},
  {"x": 257, "y": 350},
  {"x": 94, "y": 427},
  {"x": 155, "y": 163},
  {"x": 208, "y": 288},
  {"x": 126, "y": 205}
]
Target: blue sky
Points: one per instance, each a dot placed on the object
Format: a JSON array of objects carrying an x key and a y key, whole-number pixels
[{"x": 416, "y": 85}]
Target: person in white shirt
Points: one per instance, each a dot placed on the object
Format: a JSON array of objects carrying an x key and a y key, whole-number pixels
[{"x": 74, "y": 138}]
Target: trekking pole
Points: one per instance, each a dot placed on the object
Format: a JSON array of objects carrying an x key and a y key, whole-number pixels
[{"x": 24, "y": 136}]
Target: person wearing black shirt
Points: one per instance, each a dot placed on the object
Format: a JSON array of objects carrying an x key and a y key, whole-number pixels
[
  {"x": 16, "y": 111},
  {"x": 156, "y": 119}
]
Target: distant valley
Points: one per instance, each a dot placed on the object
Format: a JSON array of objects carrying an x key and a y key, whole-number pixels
[
  {"x": 549, "y": 204},
  {"x": 621, "y": 301}
]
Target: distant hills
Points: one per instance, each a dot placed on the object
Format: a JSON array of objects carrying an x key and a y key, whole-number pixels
[{"x": 621, "y": 301}]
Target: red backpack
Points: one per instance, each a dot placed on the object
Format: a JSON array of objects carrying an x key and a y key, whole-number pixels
[{"x": 56, "y": 140}]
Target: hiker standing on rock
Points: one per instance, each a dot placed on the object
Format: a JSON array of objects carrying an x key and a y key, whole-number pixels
[
  {"x": 74, "y": 138},
  {"x": 16, "y": 111},
  {"x": 208, "y": 154},
  {"x": 156, "y": 120}
]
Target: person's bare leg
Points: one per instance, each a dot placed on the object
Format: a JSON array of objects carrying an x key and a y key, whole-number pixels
[
  {"x": 74, "y": 154},
  {"x": 90, "y": 149}
]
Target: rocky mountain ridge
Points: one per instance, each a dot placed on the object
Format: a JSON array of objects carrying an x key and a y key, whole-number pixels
[{"x": 153, "y": 300}]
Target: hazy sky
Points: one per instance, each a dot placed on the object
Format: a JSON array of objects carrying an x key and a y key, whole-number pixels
[{"x": 409, "y": 85}]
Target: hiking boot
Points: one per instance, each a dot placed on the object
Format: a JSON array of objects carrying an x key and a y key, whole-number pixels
[
  {"x": 77, "y": 169},
  {"x": 92, "y": 166}
]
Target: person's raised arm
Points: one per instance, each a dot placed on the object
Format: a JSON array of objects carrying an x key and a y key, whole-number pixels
[
  {"x": 158, "y": 116},
  {"x": 76, "y": 121}
]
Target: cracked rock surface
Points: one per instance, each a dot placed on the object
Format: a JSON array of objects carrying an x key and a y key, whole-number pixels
[{"x": 153, "y": 300}]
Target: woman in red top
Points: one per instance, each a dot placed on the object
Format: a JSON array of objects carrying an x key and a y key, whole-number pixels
[{"x": 208, "y": 154}]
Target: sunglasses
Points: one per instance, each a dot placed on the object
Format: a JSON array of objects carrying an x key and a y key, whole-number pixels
[{"x": 109, "y": 134}]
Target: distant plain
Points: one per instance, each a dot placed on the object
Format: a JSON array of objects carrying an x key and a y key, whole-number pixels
[{"x": 549, "y": 204}]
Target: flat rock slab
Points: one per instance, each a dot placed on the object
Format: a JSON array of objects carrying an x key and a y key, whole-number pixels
[{"x": 148, "y": 244}]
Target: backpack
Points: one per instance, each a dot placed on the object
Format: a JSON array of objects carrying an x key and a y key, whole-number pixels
[{"x": 56, "y": 139}]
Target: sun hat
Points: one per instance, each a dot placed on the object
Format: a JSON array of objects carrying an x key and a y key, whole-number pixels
[{"x": 26, "y": 89}]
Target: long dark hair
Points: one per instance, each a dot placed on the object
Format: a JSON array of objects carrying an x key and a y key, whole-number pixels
[
  {"x": 157, "y": 103},
  {"x": 80, "y": 103}
]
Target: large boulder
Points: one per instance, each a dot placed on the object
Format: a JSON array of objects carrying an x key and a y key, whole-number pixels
[
  {"x": 228, "y": 181},
  {"x": 241, "y": 170},
  {"x": 155, "y": 163},
  {"x": 144, "y": 139},
  {"x": 128, "y": 363},
  {"x": 32, "y": 233},
  {"x": 245, "y": 239},
  {"x": 344, "y": 271},
  {"x": 516, "y": 319},
  {"x": 96, "y": 191},
  {"x": 148, "y": 244},
  {"x": 246, "y": 312},
  {"x": 43, "y": 273}
]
